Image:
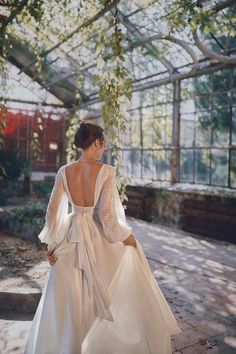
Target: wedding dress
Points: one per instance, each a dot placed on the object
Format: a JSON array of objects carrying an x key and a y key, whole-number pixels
[{"x": 100, "y": 296}]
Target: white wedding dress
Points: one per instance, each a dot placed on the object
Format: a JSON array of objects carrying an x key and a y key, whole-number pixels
[{"x": 100, "y": 296}]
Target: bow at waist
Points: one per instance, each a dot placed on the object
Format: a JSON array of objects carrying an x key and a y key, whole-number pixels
[{"x": 81, "y": 231}]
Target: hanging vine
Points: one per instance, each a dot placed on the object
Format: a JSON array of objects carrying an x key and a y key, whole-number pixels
[
  {"x": 74, "y": 121},
  {"x": 115, "y": 89}
]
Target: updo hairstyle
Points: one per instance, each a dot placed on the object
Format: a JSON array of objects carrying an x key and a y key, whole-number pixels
[{"x": 87, "y": 133}]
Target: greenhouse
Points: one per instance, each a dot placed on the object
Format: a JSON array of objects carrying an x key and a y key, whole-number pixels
[{"x": 160, "y": 78}]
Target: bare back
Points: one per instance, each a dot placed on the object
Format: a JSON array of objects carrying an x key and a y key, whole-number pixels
[{"x": 81, "y": 180}]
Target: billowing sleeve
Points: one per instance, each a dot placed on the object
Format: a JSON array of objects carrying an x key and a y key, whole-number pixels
[
  {"x": 57, "y": 210},
  {"x": 111, "y": 211}
]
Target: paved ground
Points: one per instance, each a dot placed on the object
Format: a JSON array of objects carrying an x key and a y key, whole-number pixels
[{"x": 197, "y": 276}]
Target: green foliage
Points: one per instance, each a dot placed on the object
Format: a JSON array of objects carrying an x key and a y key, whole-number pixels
[
  {"x": 31, "y": 211},
  {"x": 115, "y": 87},
  {"x": 74, "y": 122},
  {"x": 12, "y": 164},
  {"x": 3, "y": 197},
  {"x": 33, "y": 214},
  {"x": 36, "y": 146},
  {"x": 36, "y": 9},
  {"x": 214, "y": 83},
  {"x": 193, "y": 14},
  {"x": 213, "y": 97},
  {"x": 42, "y": 188},
  {"x": 9, "y": 190}
]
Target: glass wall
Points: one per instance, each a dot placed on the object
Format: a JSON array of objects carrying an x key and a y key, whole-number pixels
[
  {"x": 148, "y": 138},
  {"x": 207, "y": 135},
  {"x": 207, "y": 129}
]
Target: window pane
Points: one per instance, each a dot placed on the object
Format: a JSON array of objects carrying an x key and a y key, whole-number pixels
[
  {"x": 126, "y": 135},
  {"x": 203, "y": 102},
  {"x": 186, "y": 133},
  {"x": 162, "y": 165},
  {"x": 220, "y": 127},
  {"x": 233, "y": 97},
  {"x": 160, "y": 110},
  {"x": 221, "y": 80},
  {"x": 169, "y": 129},
  {"x": 219, "y": 167},
  {"x": 203, "y": 129},
  {"x": 202, "y": 166},
  {"x": 133, "y": 158},
  {"x": 168, "y": 164},
  {"x": 147, "y": 164},
  {"x": 135, "y": 133},
  {"x": 202, "y": 85},
  {"x": 233, "y": 170},
  {"x": 222, "y": 100},
  {"x": 187, "y": 88},
  {"x": 148, "y": 134},
  {"x": 159, "y": 129},
  {"x": 186, "y": 165},
  {"x": 187, "y": 106}
]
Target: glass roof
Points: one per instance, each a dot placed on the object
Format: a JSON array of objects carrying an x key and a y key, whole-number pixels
[{"x": 153, "y": 51}]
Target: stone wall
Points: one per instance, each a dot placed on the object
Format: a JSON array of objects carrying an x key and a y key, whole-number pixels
[{"x": 203, "y": 214}]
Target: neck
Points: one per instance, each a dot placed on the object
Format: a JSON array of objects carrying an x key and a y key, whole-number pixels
[{"x": 87, "y": 158}]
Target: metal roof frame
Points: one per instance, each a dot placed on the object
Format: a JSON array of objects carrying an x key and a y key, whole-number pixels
[{"x": 64, "y": 85}]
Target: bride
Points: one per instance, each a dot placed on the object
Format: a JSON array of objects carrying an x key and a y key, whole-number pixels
[{"x": 100, "y": 296}]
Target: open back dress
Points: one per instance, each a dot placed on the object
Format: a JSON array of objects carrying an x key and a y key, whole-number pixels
[{"x": 100, "y": 296}]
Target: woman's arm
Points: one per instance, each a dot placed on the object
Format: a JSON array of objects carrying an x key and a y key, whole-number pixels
[
  {"x": 112, "y": 214},
  {"x": 51, "y": 257},
  {"x": 57, "y": 209}
]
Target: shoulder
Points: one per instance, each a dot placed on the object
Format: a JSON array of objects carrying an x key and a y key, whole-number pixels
[
  {"x": 60, "y": 170},
  {"x": 66, "y": 165},
  {"x": 63, "y": 167},
  {"x": 110, "y": 169},
  {"x": 109, "y": 173}
]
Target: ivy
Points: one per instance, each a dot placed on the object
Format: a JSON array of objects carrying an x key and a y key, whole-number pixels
[
  {"x": 192, "y": 14},
  {"x": 115, "y": 87},
  {"x": 36, "y": 9},
  {"x": 74, "y": 121}
]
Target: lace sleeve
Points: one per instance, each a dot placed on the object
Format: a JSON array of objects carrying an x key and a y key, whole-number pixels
[
  {"x": 111, "y": 211},
  {"x": 57, "y": 209}
]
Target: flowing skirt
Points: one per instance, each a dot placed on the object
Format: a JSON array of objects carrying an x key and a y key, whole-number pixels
[{"x": 64, "y": 322}]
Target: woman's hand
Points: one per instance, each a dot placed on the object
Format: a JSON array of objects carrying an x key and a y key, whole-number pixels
[
  {"x": 130, "y": 241},
  {"x": 51, "y": 257}
]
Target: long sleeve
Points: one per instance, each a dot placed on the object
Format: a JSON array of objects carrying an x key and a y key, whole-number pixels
[
  {"x": 57, "y": 210},
  {"x": 111, "y": 211}
]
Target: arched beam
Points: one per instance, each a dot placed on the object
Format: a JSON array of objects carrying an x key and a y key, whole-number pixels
[
  {"x": 184, "y": 45},
  {"x": 169, "y": 38},
  {"x": 149, "y": 46},
  {"x": 210, "y": 53}
]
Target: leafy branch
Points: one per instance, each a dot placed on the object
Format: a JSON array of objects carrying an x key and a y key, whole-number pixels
[{"x": 115, "y": 89}]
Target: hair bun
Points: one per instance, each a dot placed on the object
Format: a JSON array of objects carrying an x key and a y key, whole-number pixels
[{"x": 87, "y": 133}]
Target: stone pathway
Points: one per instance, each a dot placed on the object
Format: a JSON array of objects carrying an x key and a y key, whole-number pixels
[
  {"x": 196, "y": 275},
  {"x": 23, "y": 272}
]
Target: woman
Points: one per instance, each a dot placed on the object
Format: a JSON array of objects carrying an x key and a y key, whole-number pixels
[{"x": 100, "y": 296}]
